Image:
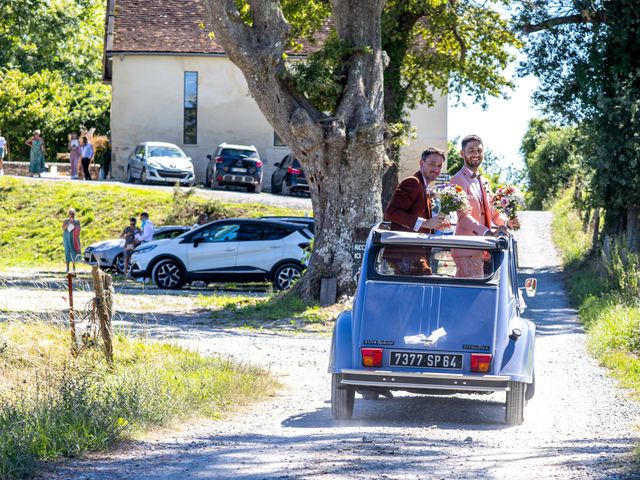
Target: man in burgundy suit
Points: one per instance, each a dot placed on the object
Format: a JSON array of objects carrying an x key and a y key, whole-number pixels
[
  {"x": 410, "y": 211},
  {"x": 480, "y": 218}
]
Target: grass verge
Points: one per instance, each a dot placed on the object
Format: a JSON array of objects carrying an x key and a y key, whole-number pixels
[
  {"x": 273, "y": 311},
  {"x": 605, "y": 288},
  {"x": 53, "y": 405},
  {"x": 32, "y": 214}
]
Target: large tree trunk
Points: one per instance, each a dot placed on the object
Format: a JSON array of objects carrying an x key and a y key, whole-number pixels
[{"x": 343, "y": 152}]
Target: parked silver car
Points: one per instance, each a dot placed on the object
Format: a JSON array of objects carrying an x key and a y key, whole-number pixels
[
  {"x": 159, "y": 162},
  {"x": 110, "y": 253}
]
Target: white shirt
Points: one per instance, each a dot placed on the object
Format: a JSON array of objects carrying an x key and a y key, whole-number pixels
[
  {"x": 147, "y": 232},
  {"x": 3, "y": 142},
  {"x": 87, "y": 151}
]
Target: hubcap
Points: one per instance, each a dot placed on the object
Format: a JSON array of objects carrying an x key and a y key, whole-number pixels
[
  {"x": 287, "y": 276},
  {"x": 168, "y": 275}
]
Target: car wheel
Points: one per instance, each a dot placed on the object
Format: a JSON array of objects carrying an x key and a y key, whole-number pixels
[
  {"x": 286, "y": 275},
  {"x": 286, "y": 189},
  {"x": 531, "y": 388},
  {"x": 342, "y": 399},
  {"x": 207, "y": 179},
  {"x": 130, "y": 178},
  {"x": 168, "y": 274},
  {"x": 514, "y": 412},
  {"x": 144, "y": 176},
  {"x": 369, "y": 395},
  {"x": 119, "y": 263}
]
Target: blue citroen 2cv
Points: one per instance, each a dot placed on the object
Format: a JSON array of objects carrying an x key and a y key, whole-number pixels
[{"x": 435, "y": 314}]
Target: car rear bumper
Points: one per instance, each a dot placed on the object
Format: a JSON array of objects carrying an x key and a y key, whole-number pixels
[
  {"x": 425, "y": 381},
  {"x": 235, "y": 179}
]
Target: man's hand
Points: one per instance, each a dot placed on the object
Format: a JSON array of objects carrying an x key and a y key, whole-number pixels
[
  {"x": 434, "y": 223},
  {"x": 501, "y": 230},
  {"x": 513, "y": 223}
]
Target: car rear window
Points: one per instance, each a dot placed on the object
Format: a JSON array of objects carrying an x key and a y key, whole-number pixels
[
  {"x": 232, "y": 152},
  {"x": 296, "y": 164},
  {"x": 165, "y": 152},
  {"x": 442, "y": 262}
]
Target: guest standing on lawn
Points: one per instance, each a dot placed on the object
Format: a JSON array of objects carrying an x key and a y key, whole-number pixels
[
  {"x": 87, "y": 155},
  {"x": 71, "y": 239},
  {"x": 74, "y": 154},
  {"x": 4, "y": 150},
  {"x": 36, "y": 156}
]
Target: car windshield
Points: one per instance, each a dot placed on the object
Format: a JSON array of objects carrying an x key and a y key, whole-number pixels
[
  {"x": 438, "y": 262},
  {"x": 232, "y": 152},
  {"x": 165, "y": 152}
]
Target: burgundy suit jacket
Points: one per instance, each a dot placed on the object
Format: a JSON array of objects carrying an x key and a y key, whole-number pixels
[{"x": 409, "y": 201}]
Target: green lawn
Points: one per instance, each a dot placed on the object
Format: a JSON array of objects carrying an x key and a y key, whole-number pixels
[{"x": 32, "y": 213}]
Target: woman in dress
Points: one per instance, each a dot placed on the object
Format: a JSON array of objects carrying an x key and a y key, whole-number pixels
[
  {"x": 74, "y": 154},
  {"x": 71, "y": 239},
  {"x": 36, "y": 157}
]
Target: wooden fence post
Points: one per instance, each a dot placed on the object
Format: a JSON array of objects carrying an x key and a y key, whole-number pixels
[{"x": 104, "y": 304}]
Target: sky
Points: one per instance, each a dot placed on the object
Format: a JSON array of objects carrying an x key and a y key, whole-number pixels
[{"x": 501, "y": 126}]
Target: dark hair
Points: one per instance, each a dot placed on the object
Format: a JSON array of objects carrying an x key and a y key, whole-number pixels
[
  {"x": 471, "y": 138},
  {"x": 431, "y": 151},
  {"x": 133, "y": 219},
  {"x": 144, "y": 214}
]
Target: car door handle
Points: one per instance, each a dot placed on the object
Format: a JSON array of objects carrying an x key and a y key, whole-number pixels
[
  {"x": 275, "y": 246},
  {"x": 229, "y": 249}
]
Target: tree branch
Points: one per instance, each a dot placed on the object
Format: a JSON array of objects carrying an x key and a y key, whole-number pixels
[{"x": 586, "y": 16}]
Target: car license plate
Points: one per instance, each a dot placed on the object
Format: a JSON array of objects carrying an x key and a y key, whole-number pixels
[
  {"x": 421, "y": 359},
  {"x": 239, "y": 170}
]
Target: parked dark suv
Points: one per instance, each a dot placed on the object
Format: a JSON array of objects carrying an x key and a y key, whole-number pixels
[
  {"x": 289, "y": 177},
  {"x": 238, "y": 165}
]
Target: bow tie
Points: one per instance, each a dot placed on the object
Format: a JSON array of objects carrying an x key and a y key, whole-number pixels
[{"x": 475, "y": 175}]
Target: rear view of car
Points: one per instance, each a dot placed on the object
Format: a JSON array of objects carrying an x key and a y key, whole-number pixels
[
  {"x": 235, "y": 165},
  {"x": 289, "y": 177}
]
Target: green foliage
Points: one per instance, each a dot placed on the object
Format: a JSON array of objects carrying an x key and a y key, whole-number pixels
[
  {"x": 553, "y": 160},
  {"x": 54, "y": 405},
  {"x": 31, "y": 220},
  {"x": 44, "y": 100},
  {"x": 605, "y": 287}
]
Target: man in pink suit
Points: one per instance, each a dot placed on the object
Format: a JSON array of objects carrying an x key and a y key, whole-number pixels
[{"x": 481, "y": 218}]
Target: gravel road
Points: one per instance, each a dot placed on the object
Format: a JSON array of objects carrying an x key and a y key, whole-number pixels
[{"x": 580, "y": 425}]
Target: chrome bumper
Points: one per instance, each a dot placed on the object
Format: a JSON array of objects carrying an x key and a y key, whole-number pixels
[{"x": 427, "y": 381}]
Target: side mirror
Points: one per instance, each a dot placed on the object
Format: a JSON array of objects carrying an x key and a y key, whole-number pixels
[
  {"x": 530, "y": 286},
  {"x": 138, "y": 155},
  {"x": 277, "y": 164},
  {"x": 356, "y": 277},
  {"x": 196, "y": 240},
  {"x": 209, "y": 157}
]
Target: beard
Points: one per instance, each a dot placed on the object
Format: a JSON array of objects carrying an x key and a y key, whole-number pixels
[{"x": 472, "y": 163}]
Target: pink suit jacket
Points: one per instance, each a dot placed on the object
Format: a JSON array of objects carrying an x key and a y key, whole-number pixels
[{"x": 474, "y": 221}]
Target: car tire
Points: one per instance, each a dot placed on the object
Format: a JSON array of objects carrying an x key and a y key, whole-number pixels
[
  {"x": 168, "y": 274},
  {"x": 531, "y": 388},
  {"x": 207, "y": 179},
  {"x": 130, "y": 178},
  {"x": 144, "y": 176},
  {"x": 342, "y": 399},
  {"x": 118, "y": 263},
  {"x": 286, "y": 189},
  {"x": 369, "y": 395},
  {"x": 514, "y": 411},
  {"x": 285, "y": 275}
]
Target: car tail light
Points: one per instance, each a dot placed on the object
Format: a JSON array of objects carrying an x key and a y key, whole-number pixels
[
  {"x": 219, "y": 160},
  {"x": 219, "y": 178},
  {"x": 258, "y": 163},
  {"x": 294, "y": 171},
  {"x": 371, "y": 357},
  {"x": 480, "y": 362}
]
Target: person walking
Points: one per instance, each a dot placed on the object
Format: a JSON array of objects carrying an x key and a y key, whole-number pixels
[
  {"x": 4, "y": 150},
  {"x": 71, "y": 239},
  {"x": 87, "y": 155},
  {"x": 75, "y": 153},
  {"x": 36, "y": 156}
]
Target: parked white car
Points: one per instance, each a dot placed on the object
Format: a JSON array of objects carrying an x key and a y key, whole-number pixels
[
  {"x": 231, "y": 250},
  {"x": 160, "y": 162}
]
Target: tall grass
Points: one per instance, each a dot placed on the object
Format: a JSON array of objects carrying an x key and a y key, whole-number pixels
[
  {"x": 53, "y": 405},
  {"x": 605, "y": 285},
  {"x": 31, "y": 214}
]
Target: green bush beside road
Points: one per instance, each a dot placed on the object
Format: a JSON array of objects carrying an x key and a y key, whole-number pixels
[
  {"x": 33, "y": 211},
  {"x": 53, "y": 405},
  {"x": 605, "y": 287}
]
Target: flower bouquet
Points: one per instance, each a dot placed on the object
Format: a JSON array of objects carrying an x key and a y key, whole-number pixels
[
  {"x": 508, "y": 200},
  {"x": 452, "y": 198}
]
